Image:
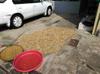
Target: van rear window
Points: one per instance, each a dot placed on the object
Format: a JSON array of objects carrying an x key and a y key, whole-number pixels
[{"x": 2, "y": 1}]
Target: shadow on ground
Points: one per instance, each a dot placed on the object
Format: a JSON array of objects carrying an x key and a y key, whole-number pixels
[
  {"x": 73, "y": 18},
  {"x": 3, "y": 27},
  {"x": 33, "y": 19},
  {"x": 34, "y": 72}
]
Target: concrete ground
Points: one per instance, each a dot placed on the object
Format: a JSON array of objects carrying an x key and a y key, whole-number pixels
[
  {"x": 79, "y": 55},
  {"x": 8, "y": 36}
]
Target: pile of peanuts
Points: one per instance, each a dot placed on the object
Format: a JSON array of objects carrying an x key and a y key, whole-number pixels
[{"x": 49, "y": 40}]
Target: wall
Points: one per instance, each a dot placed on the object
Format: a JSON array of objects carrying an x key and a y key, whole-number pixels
[{"x": 67, "y": 6}]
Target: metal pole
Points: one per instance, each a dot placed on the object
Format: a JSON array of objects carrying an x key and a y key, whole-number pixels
[{"x": 96, "y": 21}]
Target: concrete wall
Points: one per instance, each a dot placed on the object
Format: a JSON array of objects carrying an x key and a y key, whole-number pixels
[{"x": 67, "y": 6}]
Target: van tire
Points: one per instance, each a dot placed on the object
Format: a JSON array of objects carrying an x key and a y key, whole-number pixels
[{"x": 16, "y": 21}]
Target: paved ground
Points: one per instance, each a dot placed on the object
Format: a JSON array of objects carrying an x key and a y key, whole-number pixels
[
  {"x": 8, "y": 36},
  {"x": 79, "y": 55}
]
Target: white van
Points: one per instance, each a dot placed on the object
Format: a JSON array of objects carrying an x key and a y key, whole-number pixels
[{"x": 13, "y": 12}]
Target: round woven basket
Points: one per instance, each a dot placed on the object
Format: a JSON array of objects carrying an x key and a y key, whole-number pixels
[{"x": 9, "y": 53}]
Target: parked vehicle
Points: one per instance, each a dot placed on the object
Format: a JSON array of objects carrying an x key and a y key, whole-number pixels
[{"x": 13, "y": 12}]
